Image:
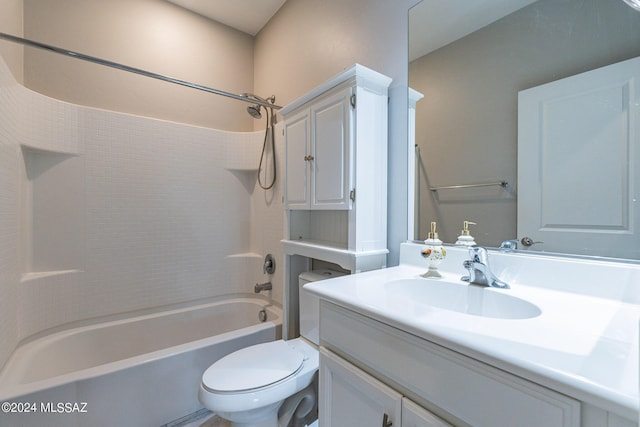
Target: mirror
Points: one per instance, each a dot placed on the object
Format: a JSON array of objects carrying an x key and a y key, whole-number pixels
[{"x": 470, "y": 72}]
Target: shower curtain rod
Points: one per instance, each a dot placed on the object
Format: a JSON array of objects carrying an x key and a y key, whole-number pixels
[{"x": 111, "y": 64}]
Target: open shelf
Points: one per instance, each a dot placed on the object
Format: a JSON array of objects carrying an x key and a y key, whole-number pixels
[{"x": 347, "y": 259}]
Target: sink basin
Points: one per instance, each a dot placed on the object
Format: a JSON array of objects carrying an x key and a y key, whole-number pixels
[{"x": 463, "y": 298}]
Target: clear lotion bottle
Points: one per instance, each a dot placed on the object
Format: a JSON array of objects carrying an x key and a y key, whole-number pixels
[{"x": 465, "y": 238}]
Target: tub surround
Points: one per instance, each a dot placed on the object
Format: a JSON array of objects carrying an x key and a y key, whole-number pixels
[
  {"x": 105, "y": 213},
  {"x": 584, "y": 344}
]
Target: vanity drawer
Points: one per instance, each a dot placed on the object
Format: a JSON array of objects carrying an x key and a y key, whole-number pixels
[{"x": 458, "y": 388}]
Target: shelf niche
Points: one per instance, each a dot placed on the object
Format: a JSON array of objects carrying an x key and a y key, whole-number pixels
[{"x": 52, "y": 211}]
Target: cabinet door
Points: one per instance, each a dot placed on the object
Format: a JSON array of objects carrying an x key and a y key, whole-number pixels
[
  {"x": 416, "y": 416},
  {"x": 296, "y": 191},
  {"x": 330, "y": 137},
  {"x": 351, "y": 398}
]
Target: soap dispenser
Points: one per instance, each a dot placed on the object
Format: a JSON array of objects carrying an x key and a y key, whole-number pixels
[
  {"x": 434, "y": 253},
  {"x": 466, "y": 239}
]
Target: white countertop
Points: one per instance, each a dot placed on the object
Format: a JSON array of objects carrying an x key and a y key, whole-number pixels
[{"x": 580, "y": 345}]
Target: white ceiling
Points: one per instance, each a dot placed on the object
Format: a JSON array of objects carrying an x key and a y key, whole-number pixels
[
  {"x": 245, "y": 15},
  {"x": 436, "y": 23},
  {"x": 432, "y": 23}
]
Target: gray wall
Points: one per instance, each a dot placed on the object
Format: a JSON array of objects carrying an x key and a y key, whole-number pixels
[
  {"x": 11, "y": 23},
  {"x": 153, "y": 35},
  {"x": 309, "y": 41},
  {"x": 306, "y": 43},
  {"x": 467, "y": 122}
]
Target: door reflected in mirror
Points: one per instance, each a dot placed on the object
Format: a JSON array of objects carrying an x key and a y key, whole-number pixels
[{"x": 466, "y": 125}]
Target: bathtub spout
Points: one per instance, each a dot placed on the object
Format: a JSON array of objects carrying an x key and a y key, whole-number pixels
[{"x": 262, "y": 287}]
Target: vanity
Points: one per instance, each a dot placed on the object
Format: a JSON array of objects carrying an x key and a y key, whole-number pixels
[{"x": 559, "y": 348}]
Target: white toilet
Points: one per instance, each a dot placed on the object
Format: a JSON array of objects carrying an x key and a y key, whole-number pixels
[{"x": 265, "y": 385}]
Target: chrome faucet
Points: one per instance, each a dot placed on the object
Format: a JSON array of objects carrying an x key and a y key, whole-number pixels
[
  {"x": 262, "y": 287},
  {"x": 479, "y": 271}
]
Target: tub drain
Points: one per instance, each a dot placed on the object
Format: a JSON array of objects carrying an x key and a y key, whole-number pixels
[{"x": 262, "y": 315}]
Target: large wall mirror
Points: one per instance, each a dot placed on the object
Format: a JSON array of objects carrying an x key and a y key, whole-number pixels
[{"x": 470, "y": 60}]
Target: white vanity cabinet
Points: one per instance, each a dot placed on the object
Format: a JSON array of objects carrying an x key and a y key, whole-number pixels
[
  {"x": 351, "y": 397},
  {"x": 454, "y": 387},
  {"x": 414, "y": 415}
]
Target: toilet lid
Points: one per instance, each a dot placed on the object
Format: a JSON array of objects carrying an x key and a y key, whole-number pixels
[{"x": 253, "y": 367}]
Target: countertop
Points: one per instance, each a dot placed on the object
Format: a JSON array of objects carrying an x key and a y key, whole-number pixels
[{"x": 580, "y": 345}]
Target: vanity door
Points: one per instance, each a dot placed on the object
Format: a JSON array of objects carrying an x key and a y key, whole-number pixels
[
  {"x": 349, "y": 397},
  {"x": 414, "y": 415}
]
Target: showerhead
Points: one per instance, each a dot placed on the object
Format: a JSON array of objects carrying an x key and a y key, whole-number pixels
[{"x": 254, "y": 111}]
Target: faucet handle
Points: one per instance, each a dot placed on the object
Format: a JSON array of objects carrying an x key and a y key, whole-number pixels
[
  {"x": 479, "y": 270},
  {"x": 269, "y": 266},
  {"x": 479, "y": 254},
  {"x": 509, "y": 245},
  {"x": 468, "y": 264}
]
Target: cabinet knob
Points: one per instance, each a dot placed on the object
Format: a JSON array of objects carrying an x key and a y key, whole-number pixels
[
  {"x": 308, "y": 158},
  {"x": 386, "y": 422}
]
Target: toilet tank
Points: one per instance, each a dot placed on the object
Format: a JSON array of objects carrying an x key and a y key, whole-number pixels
[{"x": 310, "y": 304}]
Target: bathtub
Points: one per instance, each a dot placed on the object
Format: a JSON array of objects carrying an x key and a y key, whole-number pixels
[{"x": 142, "y": 370}]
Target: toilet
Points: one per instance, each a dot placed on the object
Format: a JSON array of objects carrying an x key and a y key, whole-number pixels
[{"x": 267, "y": 385}]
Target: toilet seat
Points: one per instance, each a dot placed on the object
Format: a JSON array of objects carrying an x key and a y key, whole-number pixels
[
  {"x": 253, "y": 367},
  {"x": 263, "y": 398}
]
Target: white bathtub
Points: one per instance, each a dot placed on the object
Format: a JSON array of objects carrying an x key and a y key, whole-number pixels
[{"x": 139, "y": 371}]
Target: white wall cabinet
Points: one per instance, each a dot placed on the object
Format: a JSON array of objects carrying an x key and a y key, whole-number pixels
[
  {"x": 317, "y": 143},
  {"x": 335, "y": 186},
  {"x": 335, "y": 191},
  {"x": 336, "y": 144}
]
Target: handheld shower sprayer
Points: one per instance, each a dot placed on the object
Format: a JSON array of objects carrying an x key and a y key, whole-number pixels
[{"x": 255, "y": 112}]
